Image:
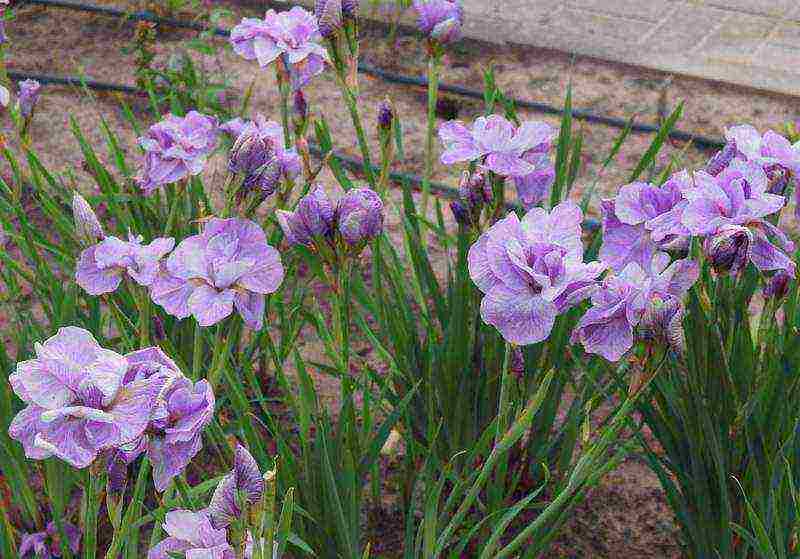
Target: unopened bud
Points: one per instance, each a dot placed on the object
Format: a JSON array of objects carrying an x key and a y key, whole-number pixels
[
  {"x": 313, "y": 218},
  {"x": 779, "y": 178},
  {"x": 385, "y": 115},
  {"x": 28, "y": 96},
  {"x": 721, "y": 159},
  {"x": 729, "y": 249},
  {"x": 778, "y": 285},
  {"x": 329, "y": 17},
  {"x": 87, "y": 226},
  {"x": 350, "y": 9},
  {"x": 460, "y": 213},
  {"x": 254, "y": 158},
  {"x": 359, "y": 216}
]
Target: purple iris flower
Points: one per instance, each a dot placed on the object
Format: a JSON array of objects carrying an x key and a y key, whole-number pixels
[
  {"x": 175, "y": 148},
  {"x": 181, "y": 412},
  {"x": 272, "y": 132},
  {"x": 292, "y": 35},
  {"x": 78, "y": 404},
  {"x": 242, "y": 486},
  {"x": 500, "y": 145},
  {"x": 47, "y": 544},
  {"x": 440, "y": 19},
  {"x": 102, "y": 267},
  {"x": 229, "y": 265},
  {"x": 531, "y": 271},
  {"x": 312, "y": 218},
  {"x": 192, "y": 534},
  {"x": 729, "y": 210},
  {"x": 779, "y": 158},
  {"x": 642, "y": 220},
  {"x": 607, "y": 328}
]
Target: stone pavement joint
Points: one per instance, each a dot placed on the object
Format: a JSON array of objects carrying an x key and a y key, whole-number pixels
[{"x": 755, "y": 43}]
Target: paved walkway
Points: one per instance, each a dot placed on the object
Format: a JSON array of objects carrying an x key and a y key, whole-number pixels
[{"x": 749, "y": 42}]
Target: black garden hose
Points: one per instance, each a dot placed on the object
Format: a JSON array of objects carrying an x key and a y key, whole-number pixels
[{"x": 698, "y": 140}]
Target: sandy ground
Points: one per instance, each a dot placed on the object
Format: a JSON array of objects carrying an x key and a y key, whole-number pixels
[{"x": 626, "y": 516}]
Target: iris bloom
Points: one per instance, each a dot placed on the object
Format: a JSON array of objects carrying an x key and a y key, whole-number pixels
[
  {"x": 229, "y": 265},
  {"x": 624, "y": 299},
  {"x": 292, "y": 35},
  {"x": 176, "y": 148},
  {"x": 77, "y": 401},
  {"x": 531, "y": 271}
]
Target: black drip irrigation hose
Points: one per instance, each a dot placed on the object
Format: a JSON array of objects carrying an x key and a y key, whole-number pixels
[{"x": 698, "y": 140}]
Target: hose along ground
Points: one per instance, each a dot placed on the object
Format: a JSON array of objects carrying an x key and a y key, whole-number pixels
[{"x": 697, "y": 140}]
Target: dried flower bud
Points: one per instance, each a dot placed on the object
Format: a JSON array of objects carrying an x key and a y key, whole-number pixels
[
  {"x": 300, "y": 105},
  {"x": 729, "y": 249},
  {"x": 87, "y": 226},
  {"x": 779, "y": 178},
  {"x": 721, "y": 159},
  {"x": 359, "y": 216},
  {"x": 313, "y": 218},
  {"x": 385, "y": 115},
  {"x": 159, "y": 332},
  {"x": 28, "y": 96},
  {"x": 778, "y": 285},
  {"x": 460, "y": 213},
  {"x": 516, "y": 364},
  {"x": 3, "y": 36},
  {"x": 329, "y": 17},
  {"x": 350, "y": 9}
]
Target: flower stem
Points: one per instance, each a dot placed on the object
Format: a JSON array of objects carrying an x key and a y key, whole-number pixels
[
  {"x": 91, "y": 508},
  {"x": 144, "y": 318},
  {"x": 352, "y": 105},
  {"x": 197, "y": 352},
  {"x": 283, "y": 88},
  {"x": 132, "y": 512},
  {"x": 434, "y": 64},
  {"x": 173, "y": 210}
]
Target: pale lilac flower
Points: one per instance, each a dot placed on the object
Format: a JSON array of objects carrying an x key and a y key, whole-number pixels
[
  {"x": 242, "y": 486},
  {"x": 767, "y": 150},
  {"x": 77, "y": 402},
  {"x": 607, "y": 328},
  {"x": 292, "y": 35},
  {"x": 531, "y": 271},
  {"x": 312, "y": 218},
  {"x": 229, "y": 265},
  {"x": 644, "y": 219},
  {"x": 181, "y": 411},
  {"x": 736, "y": 196},
  {"x": 440, "y": 19},
  {"x": 269, "y": 131},
  {"x": 729, "y": 210},
  {"x": 47, "y": 544},
  {"x": 359, "y": 216},
  {"x": 102, "y": 267},
  {"x": 176, "y": 148},
  {"x": 497, "y": 143},
  {"x": 29, "y": 91},
  {"x": 87, "y": 226},
  {"x": 192, "y": 534}
]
